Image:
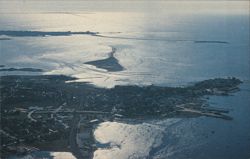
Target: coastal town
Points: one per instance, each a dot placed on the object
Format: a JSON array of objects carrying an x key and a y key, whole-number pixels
[{"x": 47, "y": 113}]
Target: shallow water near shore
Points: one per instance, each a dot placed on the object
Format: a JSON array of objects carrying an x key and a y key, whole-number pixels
[
  {"x": 160, "y": 48},
  {"x": 196, "y": 138}
]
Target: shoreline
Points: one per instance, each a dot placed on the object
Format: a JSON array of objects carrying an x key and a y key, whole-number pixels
[{"x": 61, "y": 102}]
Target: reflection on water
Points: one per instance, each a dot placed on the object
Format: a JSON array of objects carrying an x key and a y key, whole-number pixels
[
  {"x": 181, "y": 138},
  {"x": 127, "y": 140},
  {"x": 182, "y": 48},
  {"x": 161, "y": 43},
  {"x": 47, "y": 155}
]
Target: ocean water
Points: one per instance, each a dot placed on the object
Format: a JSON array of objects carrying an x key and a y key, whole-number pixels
[{"x": 162, "y": 43}]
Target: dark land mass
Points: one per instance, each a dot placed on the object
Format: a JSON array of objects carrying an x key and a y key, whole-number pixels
[
  {"x": 21, "y": 69},
  {"x": 26, "y": 99},
  {"x": 219, "y": 42},
  {"x": 42, "y": 33},
  {"x": 110, "y": 64},
  {"x": 5, "y": 38},
  {"x": 2, "y": 65}
]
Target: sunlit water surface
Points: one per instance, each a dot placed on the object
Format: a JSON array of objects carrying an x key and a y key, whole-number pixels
[{"x": 162, "y": 43}]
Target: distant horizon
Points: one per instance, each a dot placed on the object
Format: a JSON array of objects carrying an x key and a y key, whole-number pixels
[{"x": 171, "y": 6}]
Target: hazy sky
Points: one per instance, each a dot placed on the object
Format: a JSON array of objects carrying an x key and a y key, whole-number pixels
[{"x": 28, "y": 6}]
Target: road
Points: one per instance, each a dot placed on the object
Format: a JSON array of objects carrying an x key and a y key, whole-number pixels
[{"x": 72, "y": 138}]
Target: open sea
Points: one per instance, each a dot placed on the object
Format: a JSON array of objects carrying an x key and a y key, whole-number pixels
[{"x": 164, "y": 43}]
